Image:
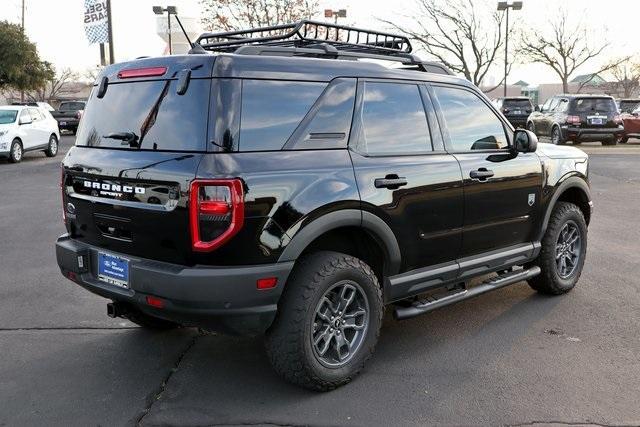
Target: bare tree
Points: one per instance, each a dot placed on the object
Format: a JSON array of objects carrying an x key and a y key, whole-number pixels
[
  {"x": 564, "y": 49},
  {"x": 625, "y": 78},
  {"x": 229, "y": 15},
  {"x": 459, "y": 34},
  {"x": 59, "y": 85}
]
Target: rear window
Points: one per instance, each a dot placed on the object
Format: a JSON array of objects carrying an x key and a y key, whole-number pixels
[
  {"x": 72, "y": 106},
  {"x": 272, "y": 110},
  {"x": 150, "y": 111},
  {"x": 586, "y": 105},
  {"x": 524, "y": 104}
]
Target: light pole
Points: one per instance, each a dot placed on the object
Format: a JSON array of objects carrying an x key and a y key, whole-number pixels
[
  {"x": 341, "y": 13},
  {"x": 506, "y": 5},
  {"x": 171, "y": 10}
]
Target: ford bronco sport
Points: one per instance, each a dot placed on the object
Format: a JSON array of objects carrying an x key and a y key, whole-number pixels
[{"x": 277, "y": 184}]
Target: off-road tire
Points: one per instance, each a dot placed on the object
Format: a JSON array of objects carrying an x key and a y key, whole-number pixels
[
  {"x": 13, "y": 156},
  {"x": 289, "y": 340},
  {"x": 52, "y": 148},
  {"x": 549, "y": 281}
]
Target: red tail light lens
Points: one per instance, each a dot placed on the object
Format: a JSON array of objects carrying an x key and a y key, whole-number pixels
[
  {"x": 216, "y": 212},
  {"x": 142, "y": 72},
  {"x": 573, "y": 120}
]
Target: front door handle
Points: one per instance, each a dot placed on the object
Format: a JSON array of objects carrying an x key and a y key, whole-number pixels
[
  {"x": 391, "y": 182},
  {"x": 481, "y": 174}
]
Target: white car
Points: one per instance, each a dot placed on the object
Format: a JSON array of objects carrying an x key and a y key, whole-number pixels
[{"x": 25, "y": 128}]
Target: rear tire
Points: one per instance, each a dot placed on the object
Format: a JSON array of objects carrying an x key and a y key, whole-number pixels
[
  {"x": 624, "y": 140},
  {"x": 560, "y": 259},
  {"x": 328, "y": 321},
  {"x": 52, "y": 149},
  {"x": 16, "y": 153}
]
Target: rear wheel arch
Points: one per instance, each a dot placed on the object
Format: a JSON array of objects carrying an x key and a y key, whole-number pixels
[{"x": 353, "y": 232}]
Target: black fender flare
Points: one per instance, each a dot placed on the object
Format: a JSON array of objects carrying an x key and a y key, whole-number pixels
[
  {"x": 379, "y": 230},
  {"x": 571, "y": 182}
]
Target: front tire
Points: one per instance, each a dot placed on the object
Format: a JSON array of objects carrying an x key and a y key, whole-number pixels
[
  {"x": 564, "y": 248},
  {"x": 52, "y": 148},
  {"x": 16, "y": 153},
  {"x": 531, "y": 127},
  {"x": 328, "y": 321},
  {"x": 556, "y": 136}
]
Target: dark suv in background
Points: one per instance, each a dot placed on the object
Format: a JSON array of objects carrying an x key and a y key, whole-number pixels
[
  {"x": 69, "y": 114},
  {"x": 578, "y": 118},
  {"x": 516, "y": 109},
  {"x": 281, "y": 186}
]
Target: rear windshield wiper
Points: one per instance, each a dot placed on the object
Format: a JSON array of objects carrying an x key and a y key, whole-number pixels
[{"x": 126, "y": 137}]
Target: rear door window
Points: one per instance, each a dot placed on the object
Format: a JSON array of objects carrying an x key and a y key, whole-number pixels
[
  {"x": 393, "y": 120},
  {"x": 150, "y": 111},
  {"x": 272, "y": 110}
]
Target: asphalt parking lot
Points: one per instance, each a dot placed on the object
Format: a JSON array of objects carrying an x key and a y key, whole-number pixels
[{"x": 511, "y": 357}]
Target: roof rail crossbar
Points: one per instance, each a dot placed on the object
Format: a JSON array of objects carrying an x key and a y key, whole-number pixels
[{"x": 305, "y": 33}]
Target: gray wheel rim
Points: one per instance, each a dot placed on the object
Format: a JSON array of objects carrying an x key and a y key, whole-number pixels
[
  {"x": 340, "y": 324},
  {"x": 17, "y": 152},
  {"x": 53, "y": 145},
  {"x": 568, "y": 249},
  {"x": 555, "y": 136}
]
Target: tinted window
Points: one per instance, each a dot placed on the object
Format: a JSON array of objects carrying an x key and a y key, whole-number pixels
[
  {"x": 153, "y": 111},
  {"x": 393, "y": 120},
  {"x": 628, "y": 106},
  {"x": 471, "y": 123},
  {"x": 8, "y": 116},
  {"x": 72, "y": 106},
  {"x": 514, "y": 104},
  {"x": 587, "y": 105},
  {"x": 272, "y": 110}
]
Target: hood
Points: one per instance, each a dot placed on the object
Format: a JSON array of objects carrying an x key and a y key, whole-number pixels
[{"x": 560, "y": 151}]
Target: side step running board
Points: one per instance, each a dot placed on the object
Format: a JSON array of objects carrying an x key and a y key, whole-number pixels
[{"x": 497, "y": 282}]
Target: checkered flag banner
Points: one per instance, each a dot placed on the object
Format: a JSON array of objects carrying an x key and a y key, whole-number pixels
[{"x": 96, "y": 21}]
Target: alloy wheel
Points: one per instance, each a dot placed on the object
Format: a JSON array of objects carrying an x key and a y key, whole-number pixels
[
  {"x": 568, "y": 249},
  {"x": 340, "y": 324},
  {"x": 53, "y": 145},
  {"x": 17, "y": 152}
]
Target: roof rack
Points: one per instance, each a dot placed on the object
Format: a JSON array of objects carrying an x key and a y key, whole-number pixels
[
  {"x": 305, "y": 33},
  {"x": 317, "y": 39}
]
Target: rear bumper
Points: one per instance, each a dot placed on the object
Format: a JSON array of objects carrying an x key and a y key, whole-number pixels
[
  {"x": 518, "y": 121},
  {"x": 223, "y": 299},
  {"x": 591, "y": 134},
  {"x": 68, "y": 123}
]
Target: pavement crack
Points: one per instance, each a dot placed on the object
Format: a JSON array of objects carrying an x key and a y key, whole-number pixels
[{"x": 158, "y": 392}]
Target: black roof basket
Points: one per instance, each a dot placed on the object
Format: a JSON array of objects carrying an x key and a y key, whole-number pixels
[
  {"x": 307, "y": 33},
  {"x": 316, "y": 39}
]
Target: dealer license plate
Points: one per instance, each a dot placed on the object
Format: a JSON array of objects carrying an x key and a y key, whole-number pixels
[{"x": 113, "y": 269}]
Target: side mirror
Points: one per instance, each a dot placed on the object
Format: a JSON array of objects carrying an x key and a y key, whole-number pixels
[
  {"x": 25, "y": 121},
  {"x": 525, "y": 141},
  {"x": 537, "y": 108}
]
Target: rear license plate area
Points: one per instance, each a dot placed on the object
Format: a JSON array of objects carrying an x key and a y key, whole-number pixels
[
  {"x": 113, "y": 269},
  {"x": 596, "y": 120}
]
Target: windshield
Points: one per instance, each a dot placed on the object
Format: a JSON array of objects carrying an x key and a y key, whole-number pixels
[
  {"x": 8, "y": 116},
  {"x": 628, "y": 106},
  {"x": 71, "y": 106},
  {"x": 587, "y": 105},
  {"x": 147, "y": 115}
]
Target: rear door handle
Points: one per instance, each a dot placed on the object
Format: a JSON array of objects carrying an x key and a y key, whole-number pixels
[
  {"x": 391, "y": 182},
  {"x": 481, "y": 174}
]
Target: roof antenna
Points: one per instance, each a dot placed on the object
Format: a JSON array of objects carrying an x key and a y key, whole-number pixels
[{"x": 196, "y": 48}]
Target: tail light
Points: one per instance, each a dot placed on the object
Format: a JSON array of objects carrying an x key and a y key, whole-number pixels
[
  {"x": 216, "y": 212},
  {"x": 79, "y": 114},
  {"x": 573, "y": 120}
]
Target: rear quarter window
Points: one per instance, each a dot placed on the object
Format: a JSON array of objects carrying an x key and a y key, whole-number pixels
[{"x": 272, "y": 110}]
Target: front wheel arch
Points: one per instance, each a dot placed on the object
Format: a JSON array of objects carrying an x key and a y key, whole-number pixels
[{"x": 573, "y": 190}]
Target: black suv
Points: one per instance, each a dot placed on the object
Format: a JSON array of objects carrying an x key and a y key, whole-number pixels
[
  {"x": 516, "y": 109},
  {"x": 283, "y": 186},
  {"x": 578, "y": 118}
]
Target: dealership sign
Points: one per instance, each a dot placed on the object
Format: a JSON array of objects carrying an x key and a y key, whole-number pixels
[{"x": 96, "y": 21}]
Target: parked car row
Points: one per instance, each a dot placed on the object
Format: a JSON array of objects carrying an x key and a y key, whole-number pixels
[
  {"x": 575, "y": 118},
  {"x": 36, "y": 126}
]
